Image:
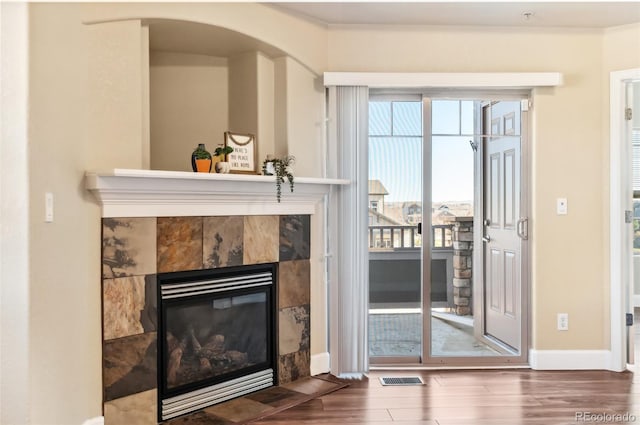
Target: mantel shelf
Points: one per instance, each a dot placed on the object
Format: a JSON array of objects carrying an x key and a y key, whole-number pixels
[{"x": 152, "y": 193}]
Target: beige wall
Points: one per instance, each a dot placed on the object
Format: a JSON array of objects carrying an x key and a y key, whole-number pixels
[
  {"x": 243, "y": 93},
  {"x": 302, "y": 40},
  {"x": 85, "y": 108},
  {"x": 251, "y": 100},
  {"x": 300, "y": 120},
  {"x": 565, "y": 150},
  {"x": 266, "y": 109},
  {"x": 189, "y": 105},
  {"x": 85, "y": 113},
  {"x": 621, "y": 48},
  {"x": 111, "y": 81}
]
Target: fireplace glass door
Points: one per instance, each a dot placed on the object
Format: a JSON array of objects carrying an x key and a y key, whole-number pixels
[
  {"x": 211, "y": 338},
  {"x": 217, "y": 328}
]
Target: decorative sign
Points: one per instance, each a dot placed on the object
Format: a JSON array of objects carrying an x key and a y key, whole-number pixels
[{"x": 243, "y": 157}]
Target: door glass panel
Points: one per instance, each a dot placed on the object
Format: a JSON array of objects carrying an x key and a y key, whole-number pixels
[
  {"x": 467, "y": 117},
  {"x": 465, "y": 135},
  {"x": 407, "y": 118},
  {"x": 445, "y": 117},
  {"x": 395, "y": 210},
  {"x": 379, "y": 118}
]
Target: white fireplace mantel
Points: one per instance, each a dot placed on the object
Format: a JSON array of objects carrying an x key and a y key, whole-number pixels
[{"x": 152, "y": 193}]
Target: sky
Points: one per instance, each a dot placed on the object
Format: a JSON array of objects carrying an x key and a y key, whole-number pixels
[{"x": 396, "y": 161}]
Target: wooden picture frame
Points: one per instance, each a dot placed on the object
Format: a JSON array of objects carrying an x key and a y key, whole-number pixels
[{"x": 243, "y": 158}]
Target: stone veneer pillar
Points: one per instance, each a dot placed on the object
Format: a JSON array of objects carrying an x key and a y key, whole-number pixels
[
  {"x": 134, "y": 250},
  {"x": 462, "y": 264}
]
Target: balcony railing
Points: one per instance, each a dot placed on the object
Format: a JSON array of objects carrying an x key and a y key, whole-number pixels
[
  {"x": 404, "y": 237},
  {"x": 395, "y": 265}
]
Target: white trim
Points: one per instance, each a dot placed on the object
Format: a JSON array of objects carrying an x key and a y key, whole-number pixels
[
  {"x": 483, "y": 80},
  {"x": 98, "y": 420},
  {"x": 636, "y": 300},
  {"x": 149, "y": 193},
  {"x": 146, "y": 98},
  {"x": 16, "y": 380},
  {"x": 320, "y": 363},
  {"x": 616, "y": 214},
  {"x": 354, "y": 376},
  {"x": 569, "y": 359}
]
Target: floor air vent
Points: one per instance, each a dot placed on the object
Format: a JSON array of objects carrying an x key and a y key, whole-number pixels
[{"x": 409, "y": 380}]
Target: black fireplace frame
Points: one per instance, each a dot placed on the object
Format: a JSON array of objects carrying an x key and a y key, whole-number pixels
[{"x": 217, "y": 273}]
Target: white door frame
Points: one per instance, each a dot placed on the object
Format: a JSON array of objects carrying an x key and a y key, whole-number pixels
[{"x": 620, "y": 178}]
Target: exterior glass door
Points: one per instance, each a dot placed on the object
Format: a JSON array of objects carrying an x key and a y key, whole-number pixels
[
  {"x": 478, "y": 229},
  {"x": 447, "y": 231},
  {"x": 395, "y": 240}
]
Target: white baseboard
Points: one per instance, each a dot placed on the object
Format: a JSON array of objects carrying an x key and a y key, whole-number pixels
[
  {"x": 569, "y": 359},
  {"x": 636, "y": 300},
  {"x": 352, "y": 376},
  {"x": 320, "y": 363}
]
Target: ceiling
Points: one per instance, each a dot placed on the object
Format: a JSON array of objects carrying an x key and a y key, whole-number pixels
[
  {"x": 191, "y": 37},
  {"x": 588, "y": 14}
]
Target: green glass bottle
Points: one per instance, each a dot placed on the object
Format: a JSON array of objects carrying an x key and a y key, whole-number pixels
[{"x": 201, "y": 159}]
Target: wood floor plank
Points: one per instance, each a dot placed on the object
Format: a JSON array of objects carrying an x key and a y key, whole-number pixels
[
  {"x": 473, "y": 397},
  {"x": 478, "y": 400}
]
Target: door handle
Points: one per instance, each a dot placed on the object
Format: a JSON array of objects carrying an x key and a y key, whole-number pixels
[
  {"x": 522, "y": 228},
  {"x": 486, "y": 239}
]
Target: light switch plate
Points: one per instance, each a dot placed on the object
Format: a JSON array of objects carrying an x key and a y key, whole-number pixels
[
  {"x": 48, "y": 207},
  {"x": 561, "y": 206}
]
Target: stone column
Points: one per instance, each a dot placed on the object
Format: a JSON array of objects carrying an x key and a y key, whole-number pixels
[{"x": 462, "y": 264}]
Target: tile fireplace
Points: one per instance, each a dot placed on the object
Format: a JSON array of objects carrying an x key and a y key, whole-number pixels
[
  {"x": 156, "y": 221},
  {"x": 148, "y": 260}
]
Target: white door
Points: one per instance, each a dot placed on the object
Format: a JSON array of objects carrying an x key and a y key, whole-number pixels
[
  {"x": 502, "y": 244},
  {"x": 632, "y": 138}
]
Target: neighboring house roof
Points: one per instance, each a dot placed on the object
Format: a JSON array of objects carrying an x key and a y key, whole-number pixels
[
  {"x": 376, "y": 188},
  {"x": 388, "y": 220},
  {"x": 445, "y": 213}
]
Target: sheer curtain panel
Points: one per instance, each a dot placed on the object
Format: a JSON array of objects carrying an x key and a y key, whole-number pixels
[{"x": 349, "y": 267}]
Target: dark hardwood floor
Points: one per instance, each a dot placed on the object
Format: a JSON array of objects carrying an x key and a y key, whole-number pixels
[
  {"x": 481, "y": 397},
  {"x": 477, "y": 397}
]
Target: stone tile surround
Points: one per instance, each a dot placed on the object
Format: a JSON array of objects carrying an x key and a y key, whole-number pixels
[{"x": 135, "y": 249}]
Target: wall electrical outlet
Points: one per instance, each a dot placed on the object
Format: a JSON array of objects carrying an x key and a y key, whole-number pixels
[{"x": 563, "y": 321}]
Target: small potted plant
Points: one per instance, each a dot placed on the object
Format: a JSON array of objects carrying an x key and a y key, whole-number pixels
[
  {"x": 222, "y": 151},
  {"x": 201, "y": 159},
  {"x": 281, "y": 167}
]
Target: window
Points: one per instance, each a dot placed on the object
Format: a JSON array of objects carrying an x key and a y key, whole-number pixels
[{"x": 395, "y": 157}]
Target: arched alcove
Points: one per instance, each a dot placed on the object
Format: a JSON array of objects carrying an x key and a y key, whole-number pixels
[
  {"x": 205, "y": 80},
  {"x": 207, "y": 69}
]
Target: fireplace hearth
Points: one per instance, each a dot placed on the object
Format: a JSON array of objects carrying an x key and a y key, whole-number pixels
[{"x": 216, "y": 336}]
